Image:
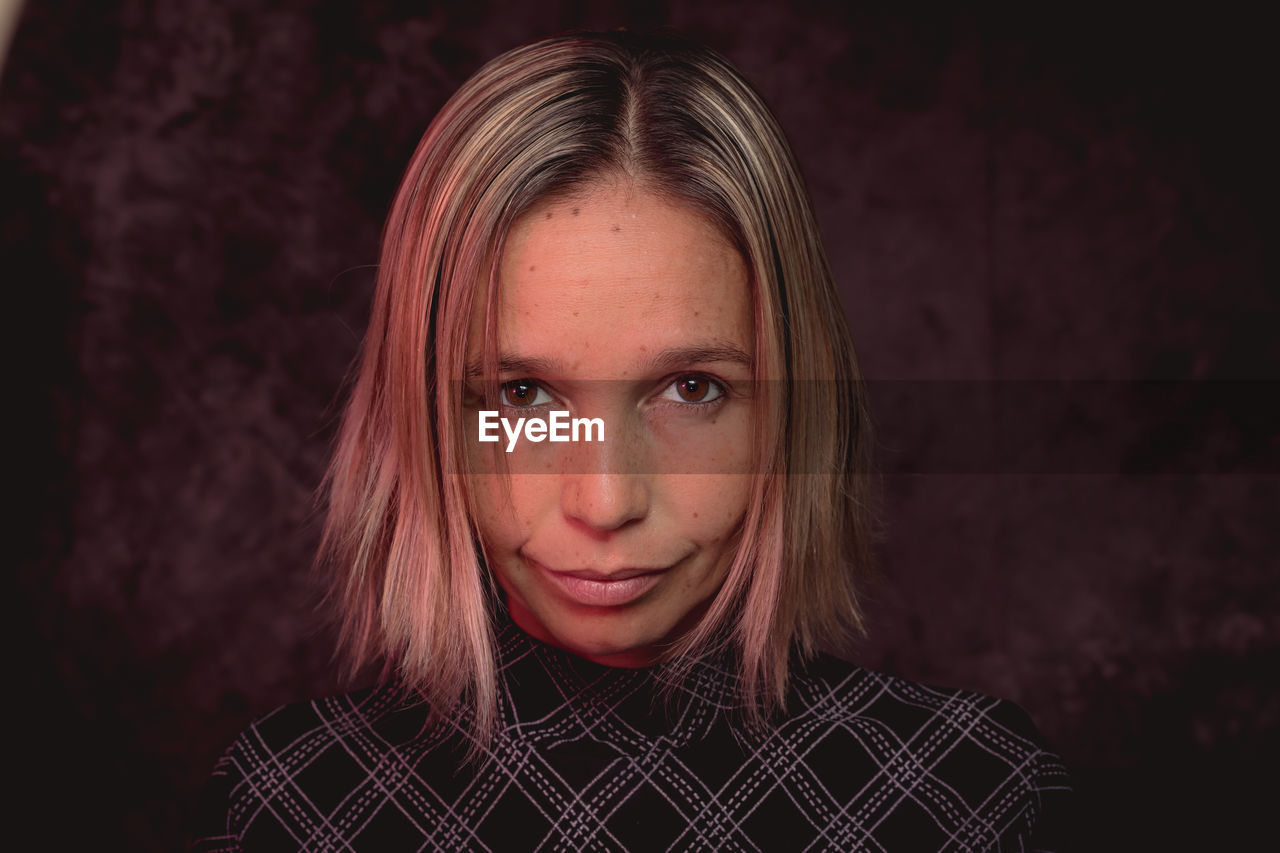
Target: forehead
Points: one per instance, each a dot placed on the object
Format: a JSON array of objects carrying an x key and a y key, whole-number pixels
[{"x": 594, "y": 279}]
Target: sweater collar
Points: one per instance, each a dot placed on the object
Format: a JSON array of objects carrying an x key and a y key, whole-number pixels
[{"x": 539, "y": 682}]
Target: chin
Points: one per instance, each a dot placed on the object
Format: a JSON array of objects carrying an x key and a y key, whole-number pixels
[{"x": 609, "y": 647}]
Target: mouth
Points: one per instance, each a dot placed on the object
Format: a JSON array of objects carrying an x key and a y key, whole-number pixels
[
  {"x": 620, "y": 575},
  {"x": 602, "y": 589}
]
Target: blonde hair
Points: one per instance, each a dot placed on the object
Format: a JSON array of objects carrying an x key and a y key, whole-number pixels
[{"x": 545, "y": 120}]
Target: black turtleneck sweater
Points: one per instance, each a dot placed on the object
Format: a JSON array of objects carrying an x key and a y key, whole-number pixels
[{"x": 585, "y": 759}]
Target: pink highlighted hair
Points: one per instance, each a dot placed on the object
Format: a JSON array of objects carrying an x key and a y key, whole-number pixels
[{"x": 545, "y": 120}]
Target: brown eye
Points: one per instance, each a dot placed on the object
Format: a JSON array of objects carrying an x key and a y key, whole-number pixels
[
  {"x": 696, "y": 389},
  {"x": 692, "y": 389},
  {"x": 521, "y": 393}
]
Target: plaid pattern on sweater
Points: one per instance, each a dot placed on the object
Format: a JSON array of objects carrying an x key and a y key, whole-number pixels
[{"x": 585, "y": 759}]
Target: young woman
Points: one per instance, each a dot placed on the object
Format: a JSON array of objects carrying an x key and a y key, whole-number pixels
[{"x": 598, "y": 505}]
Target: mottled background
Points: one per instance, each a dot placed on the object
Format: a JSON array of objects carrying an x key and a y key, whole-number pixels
[{"x": 190, "y": 198}]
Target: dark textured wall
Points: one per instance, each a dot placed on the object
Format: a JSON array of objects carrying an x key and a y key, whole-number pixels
[{"x": 190, "y": 202}]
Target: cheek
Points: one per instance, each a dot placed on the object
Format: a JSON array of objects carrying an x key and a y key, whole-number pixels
[
  {"x": 701, "y": 445},
  {"x": 711, "y": 507},
  {"x": 496, "y": 517},
  {"x": 508, "y": 508}
]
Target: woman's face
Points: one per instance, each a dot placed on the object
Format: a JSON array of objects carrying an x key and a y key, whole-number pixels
[{"x": 620, "y": 306}]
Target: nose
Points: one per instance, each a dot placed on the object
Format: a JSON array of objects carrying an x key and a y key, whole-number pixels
[
  {"x": 598, "y": 495},
  {"x": 605, "y": 502}
]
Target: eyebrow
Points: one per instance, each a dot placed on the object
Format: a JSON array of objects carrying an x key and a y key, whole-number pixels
[
  {"x": 668, "y": 359},
  {"x": 680, "y": 356}
]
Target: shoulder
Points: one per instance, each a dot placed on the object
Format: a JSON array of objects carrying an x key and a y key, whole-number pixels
[
  {"x": 293, "y": 734},
  {"x": 912, "y": 712},
  {"x": 274, "y": 773},
  {"x": 973, "y": 766}
]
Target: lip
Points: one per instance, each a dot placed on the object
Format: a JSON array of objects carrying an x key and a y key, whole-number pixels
[{"x": 601, "y": 589}]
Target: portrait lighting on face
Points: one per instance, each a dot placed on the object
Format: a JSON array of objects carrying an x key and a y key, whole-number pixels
[{"x": 621, "y": 305}]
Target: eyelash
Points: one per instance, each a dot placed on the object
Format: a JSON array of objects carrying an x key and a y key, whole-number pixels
[
  {"x": 529, "y": 382},
  {"x": 720, "y": 389}
]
